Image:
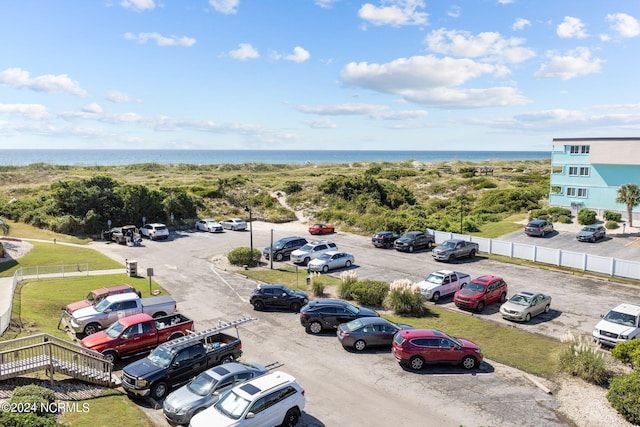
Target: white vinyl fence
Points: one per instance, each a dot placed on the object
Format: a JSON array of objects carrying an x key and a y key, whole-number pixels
[{"x": 577, "y": 260}]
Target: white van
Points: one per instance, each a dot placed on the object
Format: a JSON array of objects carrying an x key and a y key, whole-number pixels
[{"x": 619, "y": 324}]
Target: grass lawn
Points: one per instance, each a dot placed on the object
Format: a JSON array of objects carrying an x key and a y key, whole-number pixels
[
  {"x": 109, "y": 409},
  {"x": 295, "y": 278},
  {"x": 26, "y": 231}
]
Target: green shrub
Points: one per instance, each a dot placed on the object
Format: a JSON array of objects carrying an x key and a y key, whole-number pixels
[
  {"x": 291, "y": 187},
  {"x": 586, "y": 217},
  {"x": 348, "y": 279},
  {"x": 611, "y": 225},
  {"x": 556, "y": 212},
  {"x": 538, "y": 214},
  {"x": 564, "y": 219},
  {"x": 612, "y": 216},
  {"x": 242, "y": 256},
  {"x": 370, "y": 292},
  {"x": 404, "y": 298},
  {"x": 624, "y": 396},
  {"x": 627, "y": 352},
  {"x": 318, "y": 283},
  {"x": 581, "y": 358},
  {"x": 35, "y": 397}
]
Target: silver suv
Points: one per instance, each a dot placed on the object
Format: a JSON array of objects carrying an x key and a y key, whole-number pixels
[
  {"x": 270, "y": 400},
  {"x": 312, "y": 250}
]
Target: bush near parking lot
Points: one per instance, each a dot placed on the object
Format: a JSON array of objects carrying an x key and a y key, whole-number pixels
[
  {"x": 370, "y": 292},
  {"x": 404, "y": 298},
  {"x": 612, "y": 216},
  {"x": 611, "y": 225},
  {"x": 581, "y": 358},
  {"x": 624, "y": 396},
  {"x": 551, "y": 214},
  {"x": 586, "y": 217},
  {"x": 242, "y": 256},
  {"x": 34, "y": 398}
]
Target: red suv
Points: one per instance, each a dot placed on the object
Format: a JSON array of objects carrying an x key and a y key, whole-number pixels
[
  {"x": 417, "y": 347},
  {"x": 480, "y": 292}
]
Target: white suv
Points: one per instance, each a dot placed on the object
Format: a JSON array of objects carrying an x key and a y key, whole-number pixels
[
  {"x": 620, "y": 324},
  {"x": 155, "y": 231},
  {"x": 270, "y": 400},
  {"x": 312, "y": 250}
]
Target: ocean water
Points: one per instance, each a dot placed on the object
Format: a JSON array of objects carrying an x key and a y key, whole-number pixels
[{"x": 204, "y": 157}]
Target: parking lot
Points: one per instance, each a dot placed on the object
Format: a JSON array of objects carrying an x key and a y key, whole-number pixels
[{"x": 347, "y": 389}]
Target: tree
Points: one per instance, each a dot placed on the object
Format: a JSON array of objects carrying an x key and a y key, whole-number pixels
[
  {"x": 4, "y": 226},
  {"x": 629, "y": 195}
]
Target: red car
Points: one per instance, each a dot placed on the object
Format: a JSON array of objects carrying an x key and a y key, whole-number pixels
[
  {"x": 416, "y": 347},
  {"x": 321, "y": 229},
  {"x": 480, "y": 292}
]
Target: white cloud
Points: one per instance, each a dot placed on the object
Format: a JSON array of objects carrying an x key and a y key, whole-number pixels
[
  {"x": 27, "y": 111},
  {"x": 228, "y": 7},
  {"x": 245, "y": 51},
  {"x": 321, "y": 124},
  {"x": 520, "y": 24},
  {"x": 571, "y": 28},
  {"x": 506, "y": 1},
  {"x": 373, "y": 111},
  {"x": 161, "y": 40},
  {"x": 454, "y": 11},
  {"x": 489, "y": 46},
  {"x": 299, "y": 55},
  {"x": 625, "y": 25},
  {"x": 92, "y": 108},
  {"x": 120, "y": 97},
  {"x": 576, "y": 63},
  {"x": 397, "y": 13},
  {"x": 47, "y": 83},
  {"x": 325, "y": 4},
  {"x": 138, "y": 5}
]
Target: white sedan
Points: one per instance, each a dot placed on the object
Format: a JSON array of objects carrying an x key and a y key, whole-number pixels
[
  {"x": 210, "y": 225},
  {"x": 331, "y": 260},
  {"x": 234, "y": 224}
]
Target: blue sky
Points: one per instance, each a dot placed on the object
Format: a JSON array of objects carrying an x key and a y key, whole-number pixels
[{"x": 317, "y": 74}]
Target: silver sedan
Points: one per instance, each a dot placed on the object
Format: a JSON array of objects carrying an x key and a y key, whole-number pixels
[
  {"x": 525, "y": 305},
  {"x": 331, "y": 260}
]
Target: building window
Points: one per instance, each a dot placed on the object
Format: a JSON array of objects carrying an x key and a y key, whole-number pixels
[
  {"x": 579, "y": 149},
  {"x": 581, "y": 171},
  {"x": 584, "y": 171},
  {"x": 576, "y": 192},
  {"x": 582, "y": 192},
  {"x": 571, "y": 192},
  {"x": 573, "y": 171},
  {"x": 584, "y": 149},
  {"x": 556, "y": 189},
  {"x": 556, "y": 170}
]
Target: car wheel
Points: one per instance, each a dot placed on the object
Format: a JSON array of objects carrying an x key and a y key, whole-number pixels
[
  {"x": 593, "y": 239},
  {"x": 480, "y": 307},
  {"x": 325, "y": 269},
  {"x": 469, "y": 362},
  {"x": 429, "y": 245},
  {"x": 347, "y": 264},
  {"x": 159, "y": 314},
  {"x": 175, "y": 336},
  {"x": 306, "y": 261},
  {"x": 387, "y": 245},
  {"x": 503, "y": 297},
  {"x": 416, "y": 363},
  {"x": 360, "y": 345},
  {"x": 159, "y": 390},
  {"x": 315, "y": 328},
  {"x": 110, "y": 356},
  {"x": 258, "y": 305},
  {"x": 91, "y": 328},
  {"x": 295, "y": 307},
  {"x": 435, "y": 297},
  {"x": 472, "y": 254},
  {"x": 291, "y": 418},
  {"x": 279, "y": 256},
  {"x": 527, "y": 317},
  {"x": 451, "y": 258},
  {"x": 546, "y": 308},
  {"x": 228, "y": 359},
  {"x": 411, "y": 248}
]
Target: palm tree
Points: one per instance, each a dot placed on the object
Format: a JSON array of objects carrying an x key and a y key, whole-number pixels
[
  {"x": 4, "y": 226},
  {"x": 629, "y": 194}
]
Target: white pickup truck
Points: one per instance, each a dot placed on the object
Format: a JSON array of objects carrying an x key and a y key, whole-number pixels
[
  {"x": 91, "y": 319},
  {"x": 619, "y": 324},
  {"x": 441, "y": 283}
]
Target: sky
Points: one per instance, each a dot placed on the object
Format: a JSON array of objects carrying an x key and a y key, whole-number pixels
[{"x": 317, "y": 74}]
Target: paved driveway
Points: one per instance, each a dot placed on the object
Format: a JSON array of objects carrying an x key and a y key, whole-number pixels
[{"x": 347, "y": 389}]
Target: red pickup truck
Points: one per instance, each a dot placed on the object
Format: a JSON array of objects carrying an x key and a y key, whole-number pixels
[
  {"x": 137, "y": 334},
  {"x": 98, "y": 295}
]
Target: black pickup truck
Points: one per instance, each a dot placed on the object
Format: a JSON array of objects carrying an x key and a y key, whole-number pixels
[{"x": 178, "y": 361}]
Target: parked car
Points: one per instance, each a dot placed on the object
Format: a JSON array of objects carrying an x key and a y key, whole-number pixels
[
  {"x": 452, "y": 249},
  {"x": 155, "y": 231},
  {"x": 235, "y": 224},
  {"x": 538, "y": 228},
  {"x": 481, "y": 292},
  {"x": 622, "y": 323},
  {"x": 206, "y": 389},
  {"x": 442, "y": 283},
  {"x": 270, "y": 400},
  {"x": 210, "y": 225},
  {"x": 282, "y": 248},
  {"x": 414, "y": 240},
  {"x": 312, "y": 250},
  {"x": 329, "y": 313},
  {"x": 330, "y": 261},
  {"x": 277, "y": 296},
  {"x": 417, "y": 347},
  {"x": 525, "y": 305},
  {"x": 368, "y": 332},
  {"x": 384, "y": 239},
  {"x": 321, "y": 229},
  {"x": 591, "y": 233},
  {"x": 123, "y": 235},
  {"x": 97, "y": 295}
]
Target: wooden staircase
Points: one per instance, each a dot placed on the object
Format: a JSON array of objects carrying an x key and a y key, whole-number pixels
[{"x": 46, "y": 352}]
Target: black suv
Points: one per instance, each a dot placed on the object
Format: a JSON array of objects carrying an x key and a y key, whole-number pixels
[
  {"x": 282, "y": 248},
  {"x": 384, "y": 239},
  {"x": 329, "y": 313},
  {"x": 277, "y": 296},
  {"x": 413, "y": 240}
]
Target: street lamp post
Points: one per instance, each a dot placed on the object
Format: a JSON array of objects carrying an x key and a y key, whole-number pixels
[{"x": 248, "y": 209}]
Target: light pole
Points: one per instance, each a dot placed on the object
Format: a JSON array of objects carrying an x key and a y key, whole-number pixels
[{"x": 248, "y": 209}]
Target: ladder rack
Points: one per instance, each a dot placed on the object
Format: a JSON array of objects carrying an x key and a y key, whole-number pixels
[{"x": 203, "y": 335}]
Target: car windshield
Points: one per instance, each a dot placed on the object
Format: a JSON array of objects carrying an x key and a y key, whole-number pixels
[
  {"x": 589, "y": 229},
  {"x": 160, "y": 357},
  {"x": 621, "y": 318},
  {"x": 408, "y": 236},
  {"x": 354, "y": 324},
  {"x": 434, "y": 278},
  {"x": 448, "y": 244},
  {"x": 91, "y": 297},
  {"x": 278, "y": 245},
  {"x": 202, "y": 384},
  {"x": 520, "y": 299},
  {"x": 306, "y": 248},
  {"x": 232, "y": 405},
  {"x": 456, "y": 341},
  {"x": 476, "y": 287},
  {"x": 354, "y": 310},
  {"x": 114, "y": 330},
  {"x": 325, "y": 256},
  {"x": 102, "y": 305}
]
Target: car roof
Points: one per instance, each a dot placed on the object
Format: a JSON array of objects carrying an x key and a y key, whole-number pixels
[
  {"x": 258, "y": 386},
  {"x": 135, "y": 319},
  {"x": 269, "y": 285},
  {"x": 122, "y": 297},
  {"x": 628, "y": 309},
  {"x": 228, "y": 369},
  {"x": 156, "y": 224},
  {"x": 487, "y": 279},
  {"x": 372, "y": 320},
  {"x": 321, "y": 302},
  {"x": 287, "y": 239},
  {"x": 527, "y": 293},
  {"x": 422, "y": 333},
  {"x": 537, "y": 221}
]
